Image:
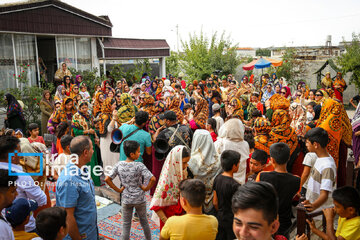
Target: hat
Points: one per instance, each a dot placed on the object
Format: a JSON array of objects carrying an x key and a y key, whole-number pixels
[
  {"x": 19, "y": 211},
  {"x": 170, "y": 115},
  {"x": 215, "y": 107}
]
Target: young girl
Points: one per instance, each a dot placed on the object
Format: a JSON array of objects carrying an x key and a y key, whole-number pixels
[
  {"x": 211, "y": 127},
  {"x": 34, "y": 134},
  {"x": 62, "y": 129},
  {"x": 84, "y": 93}
]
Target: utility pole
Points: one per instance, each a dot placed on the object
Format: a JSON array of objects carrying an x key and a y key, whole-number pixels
[{"x": 177, "y": 37}]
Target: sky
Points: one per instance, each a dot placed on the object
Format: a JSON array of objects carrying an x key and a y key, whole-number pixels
[{"x": 248, "y": 23}]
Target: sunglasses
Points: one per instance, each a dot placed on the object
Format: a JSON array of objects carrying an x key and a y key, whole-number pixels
[
  {"x": 283, "y": 92},
  {"x": 76, "y": 89},
  {"x": 298, "y": 95},
  {"x": 118, "y": 96}
]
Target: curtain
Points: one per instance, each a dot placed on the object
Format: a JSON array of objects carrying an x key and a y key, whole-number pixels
[
  {"x": 66, "y": 51},
  {"x": 7, "y": 69},
  {"x": 83, "y": 53},
  {"x": 26, "y": 56}
]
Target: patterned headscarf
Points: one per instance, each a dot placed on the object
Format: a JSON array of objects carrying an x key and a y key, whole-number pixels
[
  {"x": 237, "y": 107},
  {"x": 97, "y": 104},
  {"x": 334, "y": 119},
  {"x": 48, "y": 102},
  {"x": 149, "y": 104},
  {"x": 82, "y": 121},
  {"x": 105, "y": 116},
  {"x": 202, "y": 112},
  {"x": 158, "y": 120},
  {"x": 14, "y": 107},
  {"x": 127, "y": 110},
  {"x": 175, "y": 107},
  {"x": 58, "y": 94},
  {"x": 281, "y": 130},
  {"x": 299, "y": 118},
  {"x": 60, "y": 114},
  {"x": 167, "y": 191},
  {"x": 262, "y": 127},
  {"x": 279, "y": 102}
]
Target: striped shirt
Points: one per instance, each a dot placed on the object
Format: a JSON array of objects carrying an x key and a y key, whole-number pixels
[{"x": 322, "y": 177}]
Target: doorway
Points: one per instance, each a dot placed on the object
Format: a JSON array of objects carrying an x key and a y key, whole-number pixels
[{"x": 47, "y": 57}]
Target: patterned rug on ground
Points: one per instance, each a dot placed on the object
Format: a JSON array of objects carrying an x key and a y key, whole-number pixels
[{"x": 110, "y": 228}]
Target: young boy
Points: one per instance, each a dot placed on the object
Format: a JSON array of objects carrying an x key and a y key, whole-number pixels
[
  {"x": 255, "y": 209},
  {"x": 132, "y": 176},
  {"x": 34, "y": 134},
  {"x": 7, "y": 195},
  {"x": 346, "y": 205},
  {"x": 285, "y": 184},
  {"x": 18, "y": 215},
  {"x": 51, "y": 223},
  {"x": 194, "y": 225},
  {"x": 257, "y": 164},
  {"x": 224, "y": 188},
  {"x": 322, "y": 178}
]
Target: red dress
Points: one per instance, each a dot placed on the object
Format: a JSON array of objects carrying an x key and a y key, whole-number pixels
[
  {"x": 213, "y": 136},
  {"x": 169, "y": 211},
  {"x": 39, "y": 139}
]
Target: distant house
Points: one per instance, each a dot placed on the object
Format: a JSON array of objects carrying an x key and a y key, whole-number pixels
[
  {"x": 310, "y": 52},
  {"x": 57, "y": 32},
  {"x": 246, "y": 52}
]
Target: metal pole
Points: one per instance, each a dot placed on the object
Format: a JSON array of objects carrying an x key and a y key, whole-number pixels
[
  {"x": 37, "y": 61},
  {"x": 57, "y": 52},
  {"x": 76, "y": 67},
  {"x": 14, "y": 53}
]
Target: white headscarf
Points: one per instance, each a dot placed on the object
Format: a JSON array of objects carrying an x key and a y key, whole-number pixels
[
  {"x": 204, "y": 163},
  {"x": 231, "y": 137},
  {"x": 167, "y": 191}
]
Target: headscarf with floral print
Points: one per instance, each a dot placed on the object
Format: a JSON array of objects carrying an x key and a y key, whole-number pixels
[
  {"x": 202, "y": 112},
  {"x": 238, "y": 111},
  {"x": 158, "y": 120},
  {"x": 105, "y": 116},
  {"x": 127, "y": 110},
  {"x": 167, "y": 191},
  {"x": 175, "y": 107},
  {"x": 262, "y": 127},
  {"x": 148, "y": 105},
  {"x": 97, "y": 104}
]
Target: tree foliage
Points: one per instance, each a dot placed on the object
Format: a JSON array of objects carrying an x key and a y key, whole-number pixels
[
  {"x": 350, "y": 60},
  {"x": 202, "y": 56},
  {"x": 292, "y": 68},
  {"x": 263, "y": 52},
  {"x": 134, "y": 73},
  {"x": 173, "y": 63}
]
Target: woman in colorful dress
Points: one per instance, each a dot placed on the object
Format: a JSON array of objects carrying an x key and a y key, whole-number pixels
[
  {"x": 127, "y": 109},
  {"x": 82, "y": 125},
  {"x": 339, "y": 87},
  {"x": 166, "y": 200},
  {"x": 68, "y": 85},
  {"x": 99, "y": 100},
  {"x": 63, "y": 114},
  {"x": 175, "y": 107},
  {"x": 201, "y": 114},
  {"x": 60, "y": 93},
  {"x": 61, "y": 73}
]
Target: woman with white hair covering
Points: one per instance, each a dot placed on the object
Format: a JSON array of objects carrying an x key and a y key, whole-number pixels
[
  {"x": 205, "y": 163},
  {"x": 167, "y": 89},
  {"x": 231, "y": 137}
]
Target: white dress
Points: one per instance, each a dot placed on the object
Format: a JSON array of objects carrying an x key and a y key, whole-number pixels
[{"x": 109, "y": 158}]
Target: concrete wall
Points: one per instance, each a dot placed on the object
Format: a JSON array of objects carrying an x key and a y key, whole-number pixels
[{"x": 311, "y": 78}]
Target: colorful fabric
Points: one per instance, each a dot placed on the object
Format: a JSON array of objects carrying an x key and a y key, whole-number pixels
[
  {"x": 262, "y": 127},
  {"x": 326, "y": 82},
  {"x": 148, "y": 105},
  {"x": 105, "y": 117},
  {"x": 14, "y": 108},
  {"x": 341, "y": 84},
  {"x": 282, "y": 131},
  {"x": 61, "y": 115},
  {"x": 157, "y": 121},
  {"x": 238, "y": 111},
  {"x": 175, "y": 107},
  {"x": 298, "y": 113},
  {"x": 279, "y": 102},
  {"x": 202, "y": 112},
  {"x": 334, "y": 119},
  {"x": 167, "y": 191},
  {"x": 97, "y": 104},
  {"x": 127, "y": 110}
]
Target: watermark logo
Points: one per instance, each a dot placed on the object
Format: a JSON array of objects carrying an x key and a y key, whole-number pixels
[{"x": 40, "y": 155}]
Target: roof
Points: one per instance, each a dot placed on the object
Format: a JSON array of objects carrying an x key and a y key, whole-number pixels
[
  {"x": 51, "y": 17},
  {"x": 123, "y": 48},
  {"x": 244, "y": 48}
]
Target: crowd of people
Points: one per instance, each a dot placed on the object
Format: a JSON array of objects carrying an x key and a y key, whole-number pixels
[{"x": 213, "y": 154}]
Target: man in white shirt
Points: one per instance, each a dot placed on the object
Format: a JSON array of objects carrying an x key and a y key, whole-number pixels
[
  {"x": 7, "y": 195},
  {"x": 26, "y": 187}
]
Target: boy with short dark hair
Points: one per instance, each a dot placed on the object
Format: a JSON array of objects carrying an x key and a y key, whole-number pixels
[
  {"x": 347, "y": 205},
  {"x": 132, "y": 175},
  {"x": 194, "y": 225},
  {"x": 322, "y": 178},
  {"x": 257, "y": 164},
  {"x": 224, "y": 188},
  {"x": 51, "y": 223},
  {"x": 279, "y": 156}
]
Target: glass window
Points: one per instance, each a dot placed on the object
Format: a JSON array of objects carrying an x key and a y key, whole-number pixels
[
  {"x": 7, "y": 69},
  {"x": 26, "y": 56},
  {"x": 83, "y": 53},
  {"x": 66, "y": 51}
]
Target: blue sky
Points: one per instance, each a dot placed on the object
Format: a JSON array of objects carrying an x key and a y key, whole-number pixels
[{"x": 258, "y": 23}]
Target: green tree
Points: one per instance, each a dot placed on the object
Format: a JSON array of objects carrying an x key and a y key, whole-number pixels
[
  {"x": 292, "y": 68},
  {"x": 202, "y": 56},
  {"x": 350, "y": 60},
  {"x": 263, "y": 52},
  {"x": 173, "y": 63}
]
